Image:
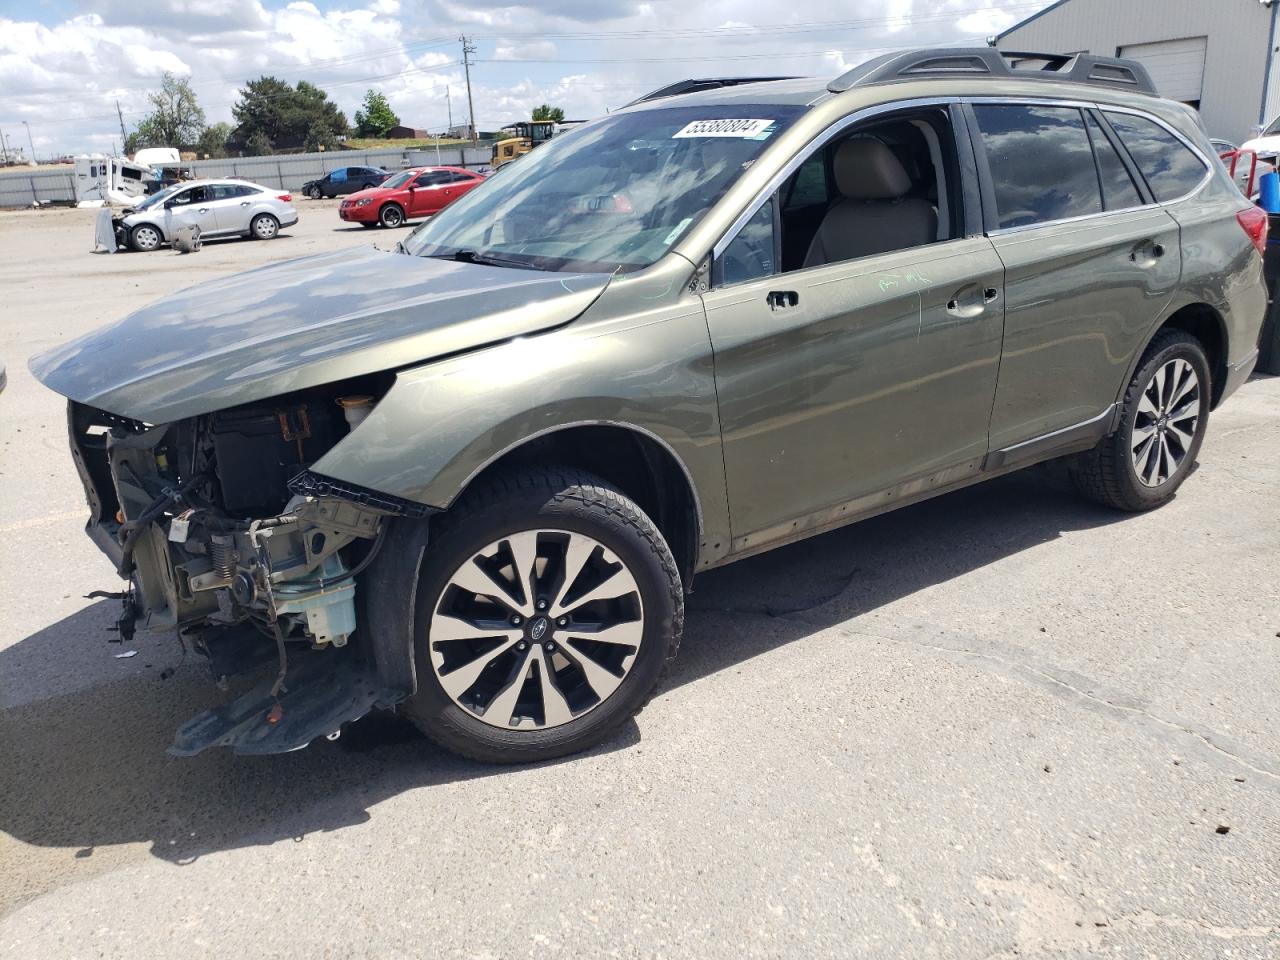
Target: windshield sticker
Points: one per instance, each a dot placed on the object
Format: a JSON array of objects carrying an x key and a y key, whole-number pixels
[
  {"x": 740, "y": 129},
  {"x": 679, "y": 229}
]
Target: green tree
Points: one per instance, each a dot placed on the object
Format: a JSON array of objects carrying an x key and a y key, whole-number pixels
[
  {"x": 176, "y": 119},
  {"x": 213, "y": 141},
  {"x": 258, "y": 144},
  {"x": 376, "y": 117},
  {"x": 546, "y": 112},
  {"x": 284, "y": 116},
  {"x": 320, "y": 136}
]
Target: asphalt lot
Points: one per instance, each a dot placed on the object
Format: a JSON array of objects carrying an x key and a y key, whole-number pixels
[{"x": 1005, "y": 723}]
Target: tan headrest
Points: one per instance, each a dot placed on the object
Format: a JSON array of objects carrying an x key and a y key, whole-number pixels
[{"x": 866, "y": 169}]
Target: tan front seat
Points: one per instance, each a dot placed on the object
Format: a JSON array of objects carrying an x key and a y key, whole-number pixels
[{"x": 871, "y": 215}]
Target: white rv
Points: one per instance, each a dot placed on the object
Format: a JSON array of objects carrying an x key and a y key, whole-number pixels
[{"x": 100, "y": 179}]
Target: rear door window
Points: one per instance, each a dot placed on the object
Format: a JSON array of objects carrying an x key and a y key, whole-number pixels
[
  {"x": 1041, "y": 163},
  {"x": 1118, "y": 188},
  {"x": 1172, "y": 169}
]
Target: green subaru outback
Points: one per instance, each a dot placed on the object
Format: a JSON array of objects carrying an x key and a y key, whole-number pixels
[{"x": 474, "y": 479}]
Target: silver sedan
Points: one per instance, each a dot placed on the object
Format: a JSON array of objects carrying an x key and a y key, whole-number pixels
[{"x": 218, "y": 208}]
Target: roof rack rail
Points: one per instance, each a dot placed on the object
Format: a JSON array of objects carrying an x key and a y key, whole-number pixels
[
  {"x": 1002, "y": 64},
  {"x": 705, "y": 83}
]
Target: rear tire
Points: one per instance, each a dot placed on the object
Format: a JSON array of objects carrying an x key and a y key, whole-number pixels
[
  {"x": 264, "y": 227},
  {"x": 524, "y": 679},
  {"x": 1163, "y": 417},
  {"x": 391, "y": 216}
]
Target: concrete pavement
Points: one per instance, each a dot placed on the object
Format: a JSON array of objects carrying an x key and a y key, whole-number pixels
[{"x": 1004, "y": 723}]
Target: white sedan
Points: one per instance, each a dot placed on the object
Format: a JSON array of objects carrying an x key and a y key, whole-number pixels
[{"x": 219, "y": 208}]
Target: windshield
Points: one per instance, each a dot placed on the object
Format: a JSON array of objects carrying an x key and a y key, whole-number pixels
[
  {"x": 160, "y": 197},
  {"x": 400, "y": 179},
  {"x": 612, "y": 195}
]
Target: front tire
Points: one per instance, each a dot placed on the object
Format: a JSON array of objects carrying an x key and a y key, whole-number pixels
[
  {"x": 549, "y": 607},
  {"x": 314, "y": 193},
  {"x": 145, "y": 237},
  {"x": 391, "y": 216},
  {"x": 1162, "y": 424}
]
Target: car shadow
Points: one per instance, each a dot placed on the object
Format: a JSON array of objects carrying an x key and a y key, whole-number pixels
[{"x": 87, "y": 768}]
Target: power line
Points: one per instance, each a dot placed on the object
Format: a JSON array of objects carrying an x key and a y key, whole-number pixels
[
  {"x": 744, "y": 31},
  {"x": 765, "y": 31},
  {"x": 706, "y": 58}
]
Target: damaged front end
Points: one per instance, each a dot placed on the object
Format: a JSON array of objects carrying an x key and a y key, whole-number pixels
[{"x": 226, "y": 538}]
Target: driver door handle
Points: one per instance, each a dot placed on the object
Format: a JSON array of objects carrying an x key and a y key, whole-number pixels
[{"x": 782, "y": 299}]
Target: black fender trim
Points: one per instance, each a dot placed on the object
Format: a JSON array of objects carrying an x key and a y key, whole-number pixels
[{"x": 390, "y": 591}]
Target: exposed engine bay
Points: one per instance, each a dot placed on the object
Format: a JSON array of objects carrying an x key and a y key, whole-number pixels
[{"x": 226, "y": 537}]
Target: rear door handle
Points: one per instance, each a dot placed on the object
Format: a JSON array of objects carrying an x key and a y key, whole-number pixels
[
  {"x": 1148, "y": 250},
  {"x": 782, "y": 299}
]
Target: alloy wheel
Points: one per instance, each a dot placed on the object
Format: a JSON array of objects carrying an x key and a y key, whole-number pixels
[
  {"x": 1166, "y": 422},
  {"x": 536, "y": 630}
]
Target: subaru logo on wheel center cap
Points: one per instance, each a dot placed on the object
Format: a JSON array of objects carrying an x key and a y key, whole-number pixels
[{"x": 538, "y": 628}]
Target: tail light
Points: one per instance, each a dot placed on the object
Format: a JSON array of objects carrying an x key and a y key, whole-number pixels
[
  {"x": 1253, "y": 220},
  {"x": 286, "y": 197}
]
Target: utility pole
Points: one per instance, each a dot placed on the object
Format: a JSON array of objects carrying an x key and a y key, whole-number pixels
[
  {"x": 4, "y": 151},
  {"x": 469, "y": 48},
  {"x": 32, "y": 142},
  {"x": 448, "y": 100},
  {"x": 124, "y": 137}
]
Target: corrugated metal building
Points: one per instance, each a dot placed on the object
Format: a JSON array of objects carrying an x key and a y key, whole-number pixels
[{"x": 1219, "y": 55}]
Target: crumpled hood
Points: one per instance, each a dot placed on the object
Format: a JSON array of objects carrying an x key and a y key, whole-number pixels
[{"x": 300, "y": 324}]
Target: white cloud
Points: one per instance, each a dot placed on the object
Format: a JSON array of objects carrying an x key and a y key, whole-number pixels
[
  {"x": 65, "y": 77},
  {"x": 524, "y": 50}
]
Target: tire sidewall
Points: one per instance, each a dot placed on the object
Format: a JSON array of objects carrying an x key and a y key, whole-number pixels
[
  {"x": 1181, "y": 347},
  {"x": 437, "y": 710},
  {"x": 253, "y": 227},
  {"x": 133, "y": 237},
  {"x": 382, "y": 217}
]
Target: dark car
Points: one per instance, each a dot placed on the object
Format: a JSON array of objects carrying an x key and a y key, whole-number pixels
[{"x": 344, "y": 180}]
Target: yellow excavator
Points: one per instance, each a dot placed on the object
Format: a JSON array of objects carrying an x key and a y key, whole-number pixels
[{"x": 528, "y": 134}]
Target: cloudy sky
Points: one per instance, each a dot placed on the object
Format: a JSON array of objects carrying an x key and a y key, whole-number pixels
[{"x": 65, "y": 63}]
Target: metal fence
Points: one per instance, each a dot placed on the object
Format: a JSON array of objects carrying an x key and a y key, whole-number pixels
[
  {"x": 282, "y": 172},
  {"x": 22, "y": 188}
]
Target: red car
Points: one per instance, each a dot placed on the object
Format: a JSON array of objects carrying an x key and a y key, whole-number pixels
[{"x": 417, "y": 192}]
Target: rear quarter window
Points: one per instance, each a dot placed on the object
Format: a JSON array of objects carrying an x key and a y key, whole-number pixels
[
  {"x": 1171, "y": 168},
  {"x": 1041, "y": 163}
]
